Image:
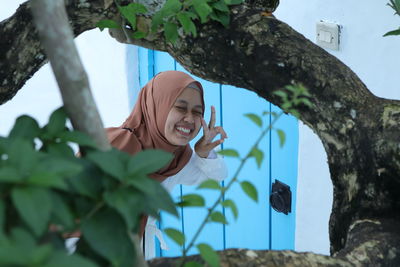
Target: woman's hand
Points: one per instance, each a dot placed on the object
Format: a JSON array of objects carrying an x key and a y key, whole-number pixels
[{"x": 205, "y": 143}]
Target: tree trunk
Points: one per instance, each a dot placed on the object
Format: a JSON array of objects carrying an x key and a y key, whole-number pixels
[{"x": 360, "y": 132}]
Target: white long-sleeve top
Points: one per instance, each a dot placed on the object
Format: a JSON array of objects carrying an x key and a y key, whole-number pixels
[{"x": 195, "y": 172}]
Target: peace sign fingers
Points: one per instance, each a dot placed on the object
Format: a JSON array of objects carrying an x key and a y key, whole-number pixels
[{"x": 206, "y": 144}]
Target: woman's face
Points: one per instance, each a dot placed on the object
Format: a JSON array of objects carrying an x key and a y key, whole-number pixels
[{"x": 184, "y": 119}]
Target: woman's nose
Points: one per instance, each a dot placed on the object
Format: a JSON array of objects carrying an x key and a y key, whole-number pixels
[{"x": 189, "y": 117}]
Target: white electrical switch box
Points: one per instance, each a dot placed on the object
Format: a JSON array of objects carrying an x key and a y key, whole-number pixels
[{"x": 328, "y": 35}]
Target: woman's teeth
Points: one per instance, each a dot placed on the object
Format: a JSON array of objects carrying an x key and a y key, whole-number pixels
[{"x": 184, "y": 130}]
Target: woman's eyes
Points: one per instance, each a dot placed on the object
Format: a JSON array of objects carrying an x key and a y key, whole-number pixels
[
  {"x": 184, "y": 109},
  {"x": 181, "y": 109}
]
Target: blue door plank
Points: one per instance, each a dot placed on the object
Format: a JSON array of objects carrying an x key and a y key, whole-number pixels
[
  {"x": 132, "y": 62},
  {"x": 251, "y": 229},
  {"x": 213, "y": 232},
  {"x": 163, "y": 62},
  {"x": 284, "y": 168},
  {"x": 144, "y": 74}
]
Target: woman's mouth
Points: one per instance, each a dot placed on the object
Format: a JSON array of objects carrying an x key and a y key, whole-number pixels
[{"x": 183, "y": 130}]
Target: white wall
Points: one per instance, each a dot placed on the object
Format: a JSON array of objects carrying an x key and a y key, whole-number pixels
[
  {"x": 375, "y": 59},
  {"x": 104, "y": 61}
]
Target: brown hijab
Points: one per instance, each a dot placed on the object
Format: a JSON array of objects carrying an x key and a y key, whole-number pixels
[{"x": 144, "y": 128}]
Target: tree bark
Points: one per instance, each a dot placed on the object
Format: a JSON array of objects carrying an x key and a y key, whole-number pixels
[{"x": 360, "y": 132}]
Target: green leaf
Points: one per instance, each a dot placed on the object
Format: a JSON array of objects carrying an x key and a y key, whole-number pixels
[
  {"x": 56, "y": 122},
  {"x": 294, "y": 112},
  {"x": 47, "y": 179},
  {"x": 254, "y": 118},
  {"x": 171, "y": 32},
  {"x": 22, "y": 237},
  {"x": 62, "y": 259},
  {"x": 142, "y": 183},
  {"x": 187, "y": 23},
  {"x": 192, "y": 200},
  {"x": 78, "y": 138},
  {"x": 107, "y": 234},
  {"x": 218, "y": 217},
  {"x": 229, "y": 153},
  {"x": 175, "y": 235},
  {"x": 258, "y": 155},
  {"x": 157, "y": 20},
  {"x": 392, "y": 33},
  {"x": 274, "y": 114},
  {"x": 192, "y": 264},
  {"x": 87, "y": 183},
  {"x": 34, "y": 206},
  {"x": 59, "y": 166},
  {"x": 306, "y": 102},
  {"x": 250, "y": 190},
  {"x": 172, "y": 7},
  {"x": 40, "y": 255},
  {"x": 9, "y": 175},
  {"x": 62, "y": 211},
  {"x": 107, "y": 23},
  {"x": 139, "y": 35},
  {"x": 281, "y": 93},
  {"x": 59, "y": 150},
  {"x": 233, "y": 2},
  {"x": 130, "y": 11},
  {"x": 10, "y": 254},
  {"x": 286, "y": 105},
  {"x": 25, "y": 127},
  {"x": 208, "y": 254},
  {"x": 127, "y": 203},
  {"x": 160, "y": 199},
  {"x": 109, "y": 162},
  {"x": 228, "y": 203},
  {"x": 148, "y": 161},
  {"x": 220, "y": 5},
  {"x": 156, "y": 197},
  {"x": 203, "y": 9},
  {"x": 22, "y": 156},
  {"x": 192, "y": 15},
  {"x": 282, "y": 137},
  {"x": 210, "y": 184},
  {"x": 222, "y": 17}
]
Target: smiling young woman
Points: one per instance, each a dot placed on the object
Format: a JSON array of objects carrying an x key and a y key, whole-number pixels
[{"x": 168, "y": 115}]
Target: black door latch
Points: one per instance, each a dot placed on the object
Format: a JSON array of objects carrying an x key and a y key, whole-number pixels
[{"x": 281, "y": 197}]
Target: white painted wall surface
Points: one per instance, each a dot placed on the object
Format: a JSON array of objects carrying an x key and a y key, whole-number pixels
[
  {"x": 372, "y": 57},
  {"x": 375, "y": 59},
  {"x": 104, "y": 61}
]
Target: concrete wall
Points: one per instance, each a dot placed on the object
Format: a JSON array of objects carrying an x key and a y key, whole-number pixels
[{"x": 375, "y": 59}]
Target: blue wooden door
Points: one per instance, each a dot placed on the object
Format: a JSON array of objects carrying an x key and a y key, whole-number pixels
[{"x": 258, "y": 225}]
